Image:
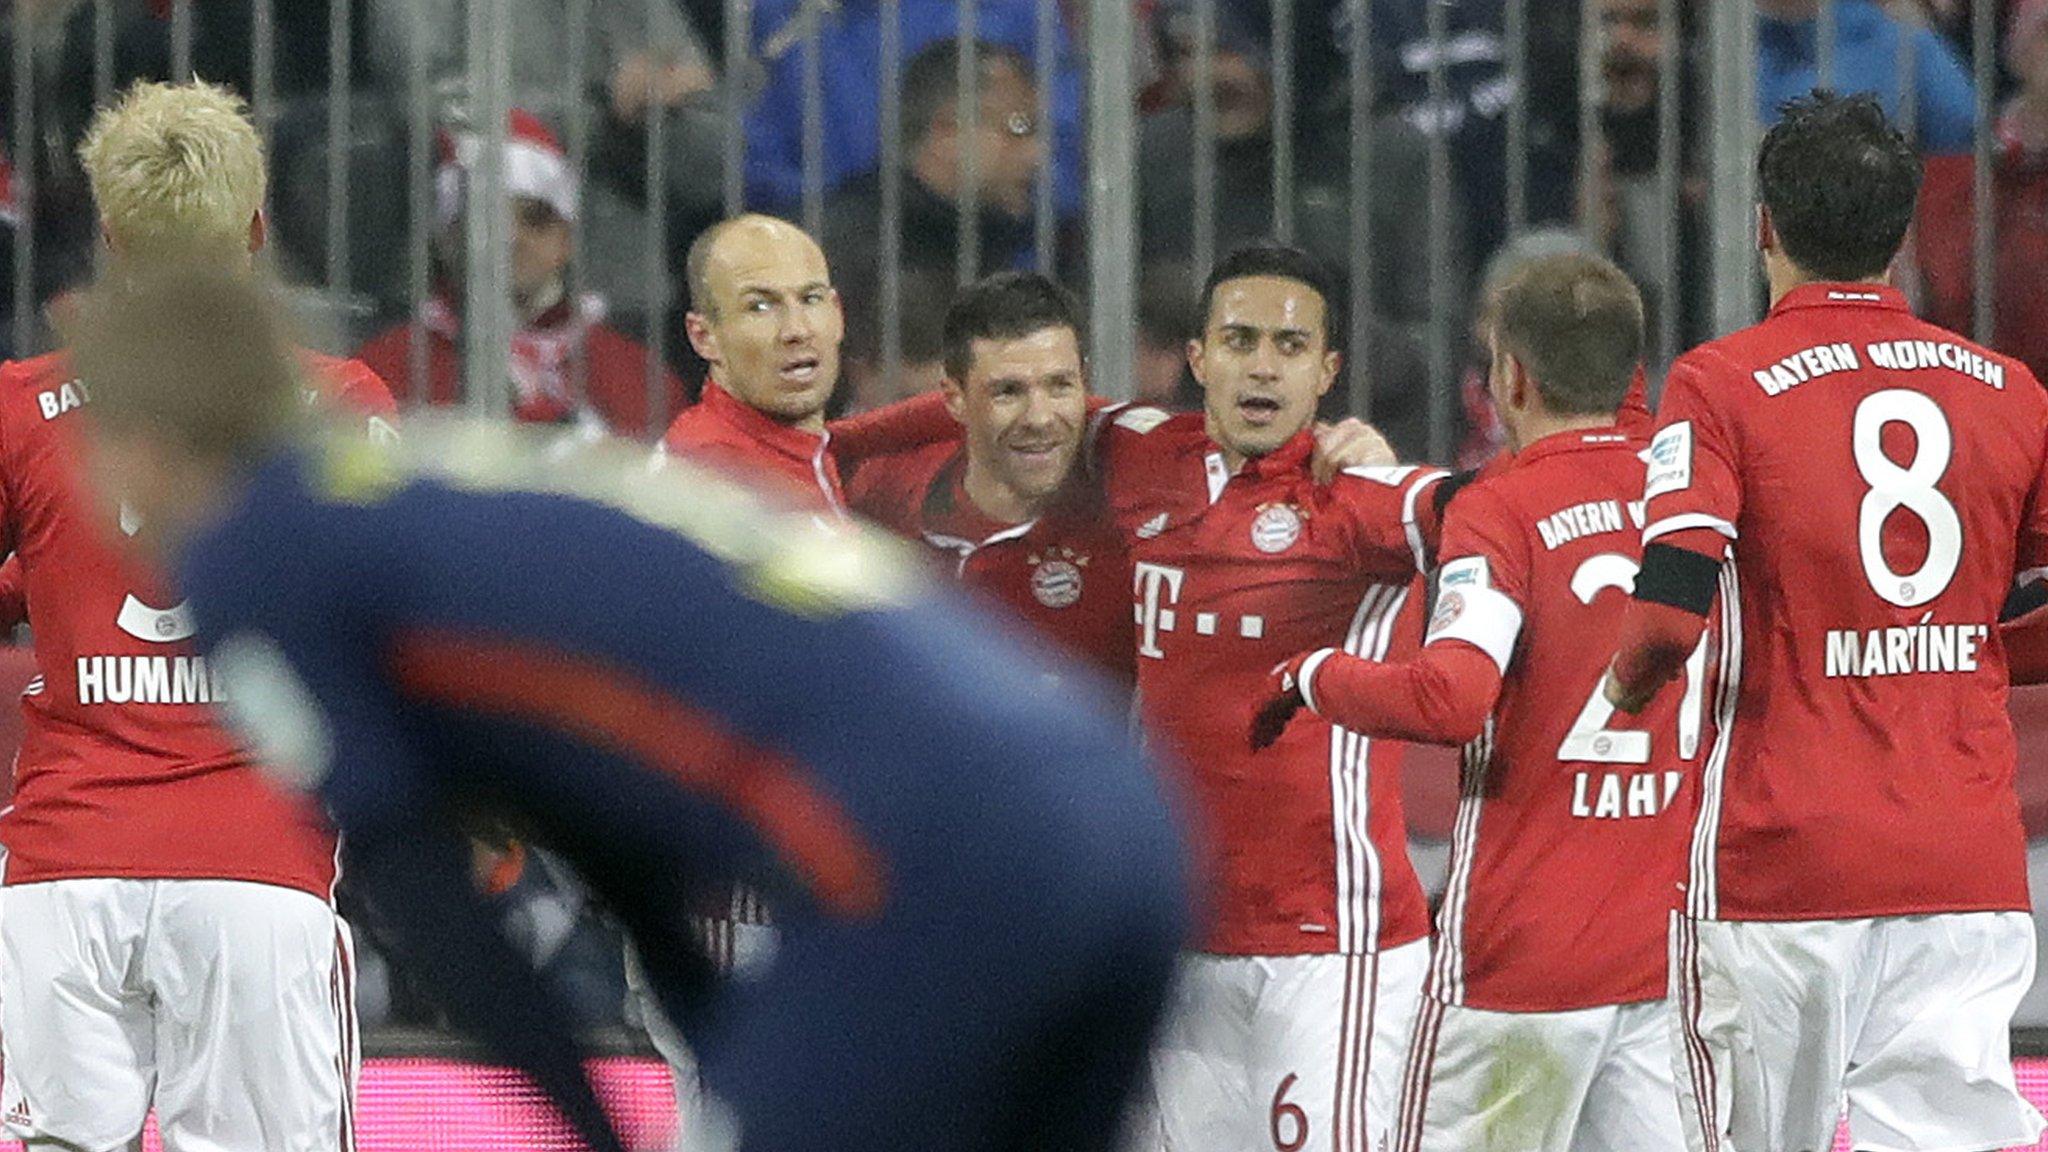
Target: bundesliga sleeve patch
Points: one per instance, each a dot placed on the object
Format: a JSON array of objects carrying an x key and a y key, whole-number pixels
[
  {"x": 1670, "y": 461},
  {"x": 1470, "y": 572}
]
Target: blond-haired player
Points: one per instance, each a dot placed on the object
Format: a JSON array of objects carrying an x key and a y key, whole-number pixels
[{"x": 167, "y": 933}]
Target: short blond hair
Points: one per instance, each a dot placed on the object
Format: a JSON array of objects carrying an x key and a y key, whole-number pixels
[{"x": 175, "y": 169}]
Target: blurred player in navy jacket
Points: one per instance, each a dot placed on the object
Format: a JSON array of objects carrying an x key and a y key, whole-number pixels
[{"x": 675, "y": 685}]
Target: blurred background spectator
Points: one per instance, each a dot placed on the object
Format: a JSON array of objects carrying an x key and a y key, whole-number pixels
[
  {"x": 1945, "y": 246},
  {"x": 1867, "y": 59},
  {"x": 849, "y": 33},
  {"x": 568, "y": 366},
  {"x": 1006, "y": 148}
]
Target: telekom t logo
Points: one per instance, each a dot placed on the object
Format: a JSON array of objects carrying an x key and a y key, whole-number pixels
[{"x": 1148, "y": 582}]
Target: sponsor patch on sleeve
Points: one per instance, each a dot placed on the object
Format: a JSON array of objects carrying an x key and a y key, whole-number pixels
[
  {"x": 1469, "y": 572},
  {"x": 1670, "y": 461}
]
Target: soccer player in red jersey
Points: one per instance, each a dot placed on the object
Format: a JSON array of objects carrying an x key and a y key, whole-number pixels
[
  {"x": 1863, "y": 487},
  {"x": 167, "y": 933},
  {"x": 1009, "y": 511},
  {"x": 1545, "y": 1000},
  {"x": 1294, "y": 1016},
  {"x": 766, "y": 318}
]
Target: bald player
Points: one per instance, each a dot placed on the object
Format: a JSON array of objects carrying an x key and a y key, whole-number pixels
[{"x": 765, "y": 317}]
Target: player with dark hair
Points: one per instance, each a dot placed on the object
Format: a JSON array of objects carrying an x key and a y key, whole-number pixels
[
  {"x": 1861, "y": 488},
  {"x": 1546, "y": 995},
  {"x": 1008, "y": 509},
  {"x": 1293, "y": 1016},
  {"x": 676, "y": 686}
]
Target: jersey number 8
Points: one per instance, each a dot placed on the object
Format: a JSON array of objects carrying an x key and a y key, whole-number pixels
[{"x": 1911, "y": 488}]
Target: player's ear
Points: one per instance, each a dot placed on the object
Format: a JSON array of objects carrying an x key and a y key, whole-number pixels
[
  {"x": 955, "y": 394},
  {"x": 1195, "y": 362},
  {"x": 1333, "y": 363},
  {"x": 1766, "y": 235},
  {"x": 702, "y": 338}
]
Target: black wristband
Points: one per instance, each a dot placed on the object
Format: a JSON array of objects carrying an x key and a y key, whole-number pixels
[{"x": 1678, "y": 578}]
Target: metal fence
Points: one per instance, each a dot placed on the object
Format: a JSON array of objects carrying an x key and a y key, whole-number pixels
[{"x": 1405, "y": 141}]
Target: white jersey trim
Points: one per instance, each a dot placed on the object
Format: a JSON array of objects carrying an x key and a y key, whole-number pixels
[
  {"x": 1702, "y": 901},
  {"x": 2032, "y": 575},
  {"x": 1306, "y": 680},
  {"x": 1359, "y": 874},
  {"x": 1683, "y": 521},
  {"x": 1409, "y": 503},
  {"x": 1447, "y": 981}
]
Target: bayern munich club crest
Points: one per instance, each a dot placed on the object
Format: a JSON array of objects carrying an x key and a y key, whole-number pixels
[
  {"x": 1276, "y": 528},
  {"x": 1056, "y": 577}
]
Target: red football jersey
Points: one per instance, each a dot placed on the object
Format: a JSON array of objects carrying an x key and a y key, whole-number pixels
[
  {"x": 1573, "y": 819},
  {"x": 1065, "y": 574},
  {"x": 1232, "y": 574},
  {"x": 721, "y": 430},
  {"x": 122, "y": 769},
  {"x": 1878, "y": 478}
]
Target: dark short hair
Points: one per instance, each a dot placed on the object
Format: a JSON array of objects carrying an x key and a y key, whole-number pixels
[
  {"x": 1281, "y": 262},
  {"x": 1005, "y": 306},
  {"x": 1575, "y": 322},
  {"x": 931, "y": 81},
  {"x": 1840, "y": 183}
]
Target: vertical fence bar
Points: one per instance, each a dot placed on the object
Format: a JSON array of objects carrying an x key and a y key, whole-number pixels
[
  {"x": 1909, "y": 84},
  {"x": 1984, "y": 228},
  {"x": 1283, "y": 121},
  {"x": 1592, "y": 86},
  {"x": 1670, "y": 170},
  {"x": 814, "y": 121},
  {"x": 262, "y": 68},
  {"x": 340, "y": 149},
  {"x": 102, "y": 52},
  {"x": 576, "y": 125},
  {"x": 1515, "y": 33},
  {"x": 1731, "y": 206},
  {"x": 1442, "y": 301},
  {"x": 739, "y": 35},
  {"x": 422, "y": 206},
  {"x": 1044, "y": 208},
  {"x": 22, "y": 143},
  {"x": 1825, "y": 43},
  {"x": 1112, "y": 201},
  {"x": 487, "y": 309},
  {"x": 103, "y": 87},
  {"x": 967, "y": 130},
  {"x": 1204, "y": 247},
  {"x": 181, "y": 40},
  {"x": 657, "y": 247},
  {"x": 890, "y": 254},
  {"x": 1359, "y": 346}
]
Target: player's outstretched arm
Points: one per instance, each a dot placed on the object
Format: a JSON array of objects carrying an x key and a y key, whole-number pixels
[
  {"x": 1674, "y": 592},
  {"x": 1442, "y": 695}
]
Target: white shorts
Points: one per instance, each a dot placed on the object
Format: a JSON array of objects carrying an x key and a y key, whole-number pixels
[
  {"x": 1591, "y": 1080},
  {"x": 228, "y": 1006},
  {"x": 1284, "y": 1052},
  {"x": 1906, "y": 1018}
]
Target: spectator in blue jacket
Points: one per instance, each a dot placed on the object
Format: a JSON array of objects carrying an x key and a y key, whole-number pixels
[
  {"x": 850, "y": 38},
  {"x": 1867, "y": 59}
]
